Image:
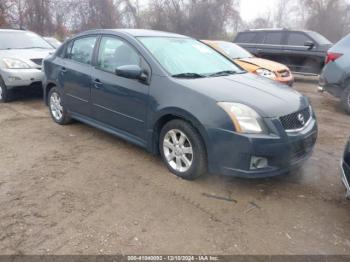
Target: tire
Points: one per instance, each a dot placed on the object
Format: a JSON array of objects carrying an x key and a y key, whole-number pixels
[
  {"x": 4, "y": 92},
  {"x": 345, "y": 99},
  {"x": 313, "y": 67},
  {"x": 182, "y": 150},
  {"x": 58, "y": 112}
]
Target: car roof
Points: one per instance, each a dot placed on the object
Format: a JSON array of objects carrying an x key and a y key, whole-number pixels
[
  {"x": 135, "y": 32},
  {"x": 275, "y": 30}
]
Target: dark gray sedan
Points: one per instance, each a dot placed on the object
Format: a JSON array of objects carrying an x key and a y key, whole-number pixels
[{"x": 173, "y": 95}]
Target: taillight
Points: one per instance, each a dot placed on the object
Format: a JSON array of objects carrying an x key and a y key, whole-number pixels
[{"x": 331, "y": 57}]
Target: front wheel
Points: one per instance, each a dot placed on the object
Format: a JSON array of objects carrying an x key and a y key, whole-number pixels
[
  {"x": 345, "y": 99},
  {"x": 58, "y": 112},
  {"x": 4, "y": 92},
  {"x": 183, "y": 150}
]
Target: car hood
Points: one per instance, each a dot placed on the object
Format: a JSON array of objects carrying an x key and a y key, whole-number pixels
[
  {"x": 263, "y": 63},
  {"x": 267, "y": 97},
  {"x": 26, "y": 55}
]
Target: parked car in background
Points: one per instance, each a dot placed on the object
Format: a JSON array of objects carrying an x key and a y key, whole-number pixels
[
  {"x": 335, "y": 77},
  {"x": 175, "y": 95},
  {"x": 247, "y": 61},
  {"x": 21, "y": 56},
  {"x": 303, "y": 52},
  {"x": 53, "y": 41},
  {"x": 345, "y": 167}
]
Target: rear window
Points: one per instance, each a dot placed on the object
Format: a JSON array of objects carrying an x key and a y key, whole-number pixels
[
  {"x": 247, "y": 37},
  {"x": 273, "y": 38},
  {"x": 297, "y": 39}
]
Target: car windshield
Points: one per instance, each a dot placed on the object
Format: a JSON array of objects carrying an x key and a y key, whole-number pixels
[
  {"x": 188, "y": 58},
  {"x": 234, "y": 51},
  {"x": 320, "y": 39},
  {"x": 22, "y": 40}
]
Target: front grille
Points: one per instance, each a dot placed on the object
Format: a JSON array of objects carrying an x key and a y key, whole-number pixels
[
  {"x": 284, "y": 73},
  {"x": 37, "y": 61},
  {"x": 296, "y": 120}
]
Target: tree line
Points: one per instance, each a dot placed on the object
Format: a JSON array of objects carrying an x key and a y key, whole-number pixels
[{"x": 209, "y": 19}]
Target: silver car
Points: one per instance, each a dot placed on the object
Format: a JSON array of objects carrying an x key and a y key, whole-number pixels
[{"x": 21, "y": 56}]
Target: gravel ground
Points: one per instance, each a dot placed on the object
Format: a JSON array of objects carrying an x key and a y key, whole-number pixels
[{"x": 77, "y": 190}]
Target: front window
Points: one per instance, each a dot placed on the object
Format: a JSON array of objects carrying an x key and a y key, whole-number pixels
[
  {"x": 115, "y": 53},
  {"x": 22, "y": 40},
  {"x": 188, "y": 57},
  {"x": 234, "y": 51}
]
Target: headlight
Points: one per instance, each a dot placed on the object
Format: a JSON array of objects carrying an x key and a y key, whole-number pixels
[
  {"x": 244, "y": 118},
  {"x": 266, "y": 73},
  {"x": 13, "y": 63}
]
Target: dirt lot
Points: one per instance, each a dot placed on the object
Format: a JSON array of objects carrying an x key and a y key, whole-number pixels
[{"x": 77, "y": 190}]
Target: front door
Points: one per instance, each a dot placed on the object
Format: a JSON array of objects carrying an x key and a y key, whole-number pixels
[{"x": 119, "y": 102}]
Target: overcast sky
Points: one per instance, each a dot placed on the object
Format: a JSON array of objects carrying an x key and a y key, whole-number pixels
[{"x": 251, "y": 9}]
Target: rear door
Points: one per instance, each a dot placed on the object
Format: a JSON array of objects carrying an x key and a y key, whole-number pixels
[
  {"x": 75, "y": 74},
  {"x": 271, "y": 46}
]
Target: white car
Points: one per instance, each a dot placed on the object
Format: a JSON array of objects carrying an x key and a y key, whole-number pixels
[{"x": 21, "y": 56}]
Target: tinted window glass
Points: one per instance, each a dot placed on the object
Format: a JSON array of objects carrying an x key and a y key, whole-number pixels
[
  {"x": 273, "y": 38},
  {"x": 245, "y": 37},
  {"x": 297, "y": 39},
  {"x": 115, "y": 53},
  {"x": 82, "y": 50}
]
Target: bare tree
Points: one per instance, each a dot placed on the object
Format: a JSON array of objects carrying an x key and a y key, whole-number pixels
[{"x": 329, "y": 17}]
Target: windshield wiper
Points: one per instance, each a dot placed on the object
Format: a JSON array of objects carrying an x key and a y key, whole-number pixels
[
  {"x": 189, "y": 75},
  {"x": 34, "y": 47},
  {"x": 223, "y": 73}
]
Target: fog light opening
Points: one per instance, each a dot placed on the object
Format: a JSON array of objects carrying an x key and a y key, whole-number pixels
[{"x": 258, "y": 163}]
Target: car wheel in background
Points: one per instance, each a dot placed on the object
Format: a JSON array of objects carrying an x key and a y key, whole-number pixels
[
  {"x": 312, "y": 67},
  {"x": 57, "y": 111},
  {"x": 345, "y": 99},
  {"x": 4, "y": 92},
  {"x": 183, "y": 150}
]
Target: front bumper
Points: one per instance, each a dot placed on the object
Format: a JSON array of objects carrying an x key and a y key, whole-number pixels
[
  {"x": 345, "y": 176},
  {"x": 21, "y": 77},
  {"x": 286, "y": 80},
  {"x": 232, "y": 153}
]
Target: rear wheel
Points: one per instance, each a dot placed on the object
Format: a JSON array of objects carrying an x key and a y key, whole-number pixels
[
  {"x": 58, "y": 112},
  {"x": 183, "y": 150},
  {"x": 345, "y": 99}
]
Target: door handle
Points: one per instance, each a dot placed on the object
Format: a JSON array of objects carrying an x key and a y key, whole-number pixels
[
  {"x": 63, "y": 70},
  {"x": 97, "y": 84}
]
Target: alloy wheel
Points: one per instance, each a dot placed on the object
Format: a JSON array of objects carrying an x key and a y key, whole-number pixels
[
  {"x": 56, "y": 106},
  {"x": 178, "y": 150}
]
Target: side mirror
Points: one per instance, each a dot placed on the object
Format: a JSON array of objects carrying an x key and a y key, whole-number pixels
[
  {"x": 131, "y": 72},
  {"x": 309, "y": 44}
]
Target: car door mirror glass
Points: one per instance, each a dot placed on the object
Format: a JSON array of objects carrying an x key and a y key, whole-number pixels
[{"x": 309, "y": 44}]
